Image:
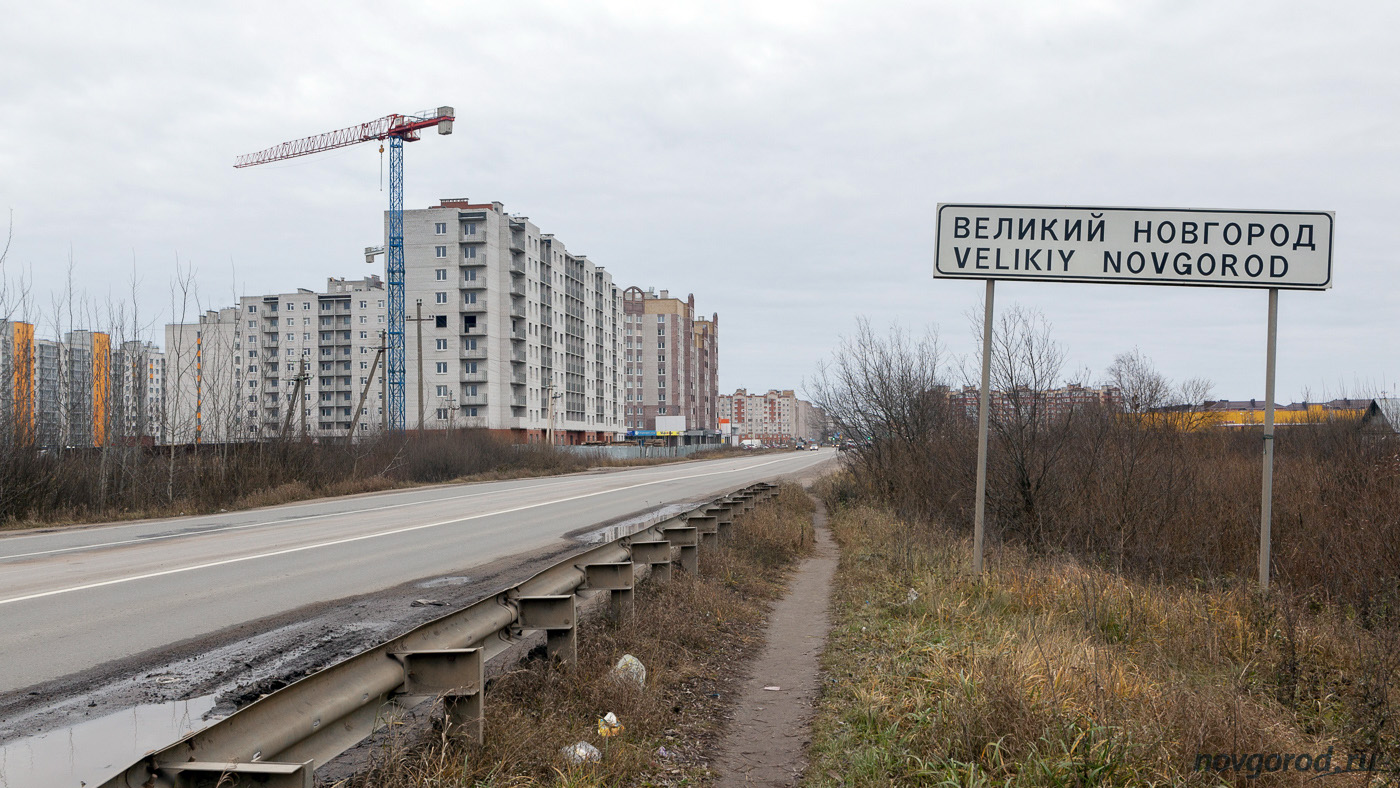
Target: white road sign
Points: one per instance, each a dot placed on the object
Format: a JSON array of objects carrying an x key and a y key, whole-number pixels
[{"x": 1150, "y": 246}]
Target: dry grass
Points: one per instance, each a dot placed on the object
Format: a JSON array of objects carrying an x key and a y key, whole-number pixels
[
  {"x": 691, "y": 634},
  {"x": 127, "y": 483},
  {"x": 1050, "y": 671}
]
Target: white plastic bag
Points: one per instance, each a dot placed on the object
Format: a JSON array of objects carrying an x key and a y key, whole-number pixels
[
  {"x": 582, "y": 752},
  {"x": 629, "y": 668}
]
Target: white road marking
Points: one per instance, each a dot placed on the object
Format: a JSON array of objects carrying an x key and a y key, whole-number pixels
[
  {"x": 245, "y": 526},
  {"x": 347, "y": 540},
  {"x": 282, "y": 521}
]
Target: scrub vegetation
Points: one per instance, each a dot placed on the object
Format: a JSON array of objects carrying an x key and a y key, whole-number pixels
[
  {"x": 690, "y": 633},
  {"x": 1117, "y": 636},
  {"x": 39, "y": 487}
]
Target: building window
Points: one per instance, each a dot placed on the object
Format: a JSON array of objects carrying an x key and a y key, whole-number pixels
[
  {"x": 442, "y": 367},
  {"x": 469, "y": 253},
  {"x": 442, "y": 391},
  {"x": 469, "y": 228},
  {"x": 440, "y": 228},
  {"x": 440, "y": 251},
  {"x": 441, "y": 274},
  {"x": 441, "y": 298},
  {"x": 440, "y": 321},
  {"x": 441, "y": 344},
  {"x": 469, "y": 297},
  {"x": 442, "y": 414},
  {"x": 469, "y": 275}
]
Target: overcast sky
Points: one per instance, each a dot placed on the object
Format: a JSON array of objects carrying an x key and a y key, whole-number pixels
[{"x": 782, "y": 161}]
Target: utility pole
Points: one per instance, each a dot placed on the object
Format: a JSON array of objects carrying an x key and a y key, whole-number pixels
[
  {"x": 383, "y": 390},
  {"x": 451, "y": 411},
  {"x": 295, "y": 402},
  {"x": 305, "y": 375},
  {"x": 364, "y": 393},
  {"x": 549, "y": 389},
  {"x": 419, "y": 325}
]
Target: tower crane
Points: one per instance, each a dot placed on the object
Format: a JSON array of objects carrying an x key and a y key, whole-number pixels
[{"x": 397, "y": 129}]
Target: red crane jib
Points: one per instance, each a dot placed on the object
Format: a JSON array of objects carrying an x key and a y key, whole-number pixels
[{"x": 404, "y": 126}]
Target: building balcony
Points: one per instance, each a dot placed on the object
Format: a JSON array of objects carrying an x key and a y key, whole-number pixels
[
  {"x": 517, "y": 378},
  {"x": 517, "y": 289},
  {"x": 479, "y": 306},
  {"x": 517, "y": 401},
  {"x": 517, "y": 356},
  {"x": 518, "y": 332},
  {"x": 478, "y": 400},
  {"x": 517, "y": 266},
  {"x": 473, "y": 377},
  {"x": 517, "y": 310},
  {"x": 474, "y": 354}
]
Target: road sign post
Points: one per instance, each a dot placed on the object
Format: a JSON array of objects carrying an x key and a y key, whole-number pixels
[
  {"x": 1273, "y": 250},
  {"x": 983, "y": 398}
]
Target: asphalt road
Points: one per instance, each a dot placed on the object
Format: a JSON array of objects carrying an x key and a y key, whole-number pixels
[{"x": 73, "y": 599}]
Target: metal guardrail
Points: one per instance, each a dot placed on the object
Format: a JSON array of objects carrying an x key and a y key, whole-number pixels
[{"x": 279, "y": 740}]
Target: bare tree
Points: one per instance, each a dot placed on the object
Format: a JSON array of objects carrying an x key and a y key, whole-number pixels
[
  {"x": 889, "y": 395},
  {"x": 1032, "y": 432}
]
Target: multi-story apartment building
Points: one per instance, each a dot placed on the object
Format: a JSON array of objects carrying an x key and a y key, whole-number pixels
[
  {"x": 1048, "y": 404},
  {"x": 776, "y": 417},
  {"x": 670, "y": 362},
  {"x": 278, "y": 364},
  {"x": 78, "y": 391},
  {"x": 18, "y": 411},
  {"x": 138, "y": 393},
  {"x": 205, "y": 390},
  {"x": 520, "y": 336}
]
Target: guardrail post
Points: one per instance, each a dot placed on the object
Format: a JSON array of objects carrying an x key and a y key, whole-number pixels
[
  {"x": 657, "y": 555},
  {"x": 198, "y": 774},
  {"x": 555, "y": 615},
  {"x": 618, "y": 579},
  {"x": 455, "y": 674},
  {"x": 724, "y": 517},
  {"x": 688, "y": 539},
  {"x": 707, "y": 526}
]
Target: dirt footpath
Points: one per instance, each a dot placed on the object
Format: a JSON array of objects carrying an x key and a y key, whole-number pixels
[{"x": 766, "y": 743}]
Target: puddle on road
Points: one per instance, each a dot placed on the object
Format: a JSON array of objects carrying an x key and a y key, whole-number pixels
[{"x": 94, "y": 750}]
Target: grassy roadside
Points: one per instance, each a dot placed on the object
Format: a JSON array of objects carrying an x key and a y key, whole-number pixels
[
  {"x": 691, "y": 634},
  {"x": 537, "y": 464},
  {"x": 1048, "y": 672}
]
